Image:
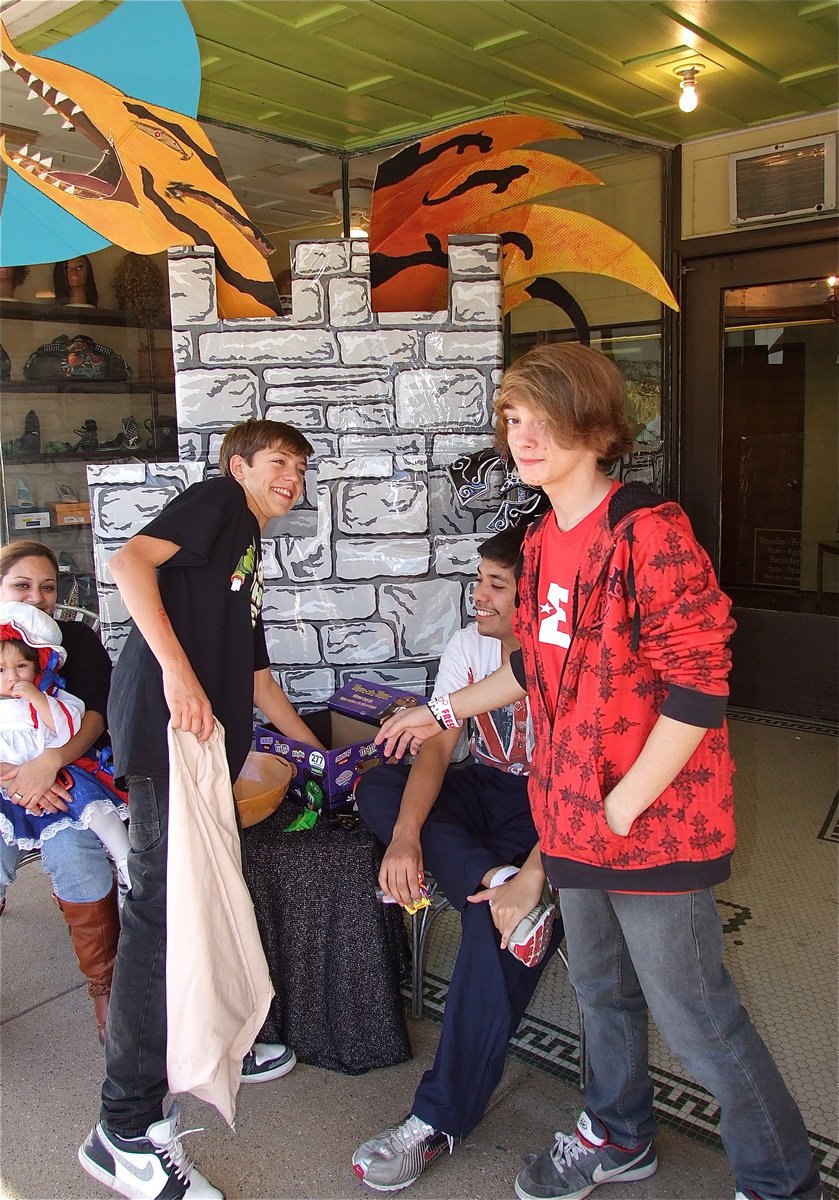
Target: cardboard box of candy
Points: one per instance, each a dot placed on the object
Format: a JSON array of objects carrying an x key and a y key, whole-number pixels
[{"x": 326, "y": 780}]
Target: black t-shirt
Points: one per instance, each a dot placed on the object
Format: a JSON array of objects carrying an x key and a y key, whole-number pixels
[
  {"x": 87, "y": 670},
  {"x": 212, "y": 592}
]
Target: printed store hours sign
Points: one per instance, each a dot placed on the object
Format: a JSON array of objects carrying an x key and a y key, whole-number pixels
[{"x": 777, "y": 561}]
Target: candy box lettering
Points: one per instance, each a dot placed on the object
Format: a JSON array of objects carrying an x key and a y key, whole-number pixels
[{"x": 326, "y": 779}]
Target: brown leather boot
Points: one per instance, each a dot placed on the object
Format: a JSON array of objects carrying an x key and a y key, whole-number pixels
[{"x": 94, "y": 930}]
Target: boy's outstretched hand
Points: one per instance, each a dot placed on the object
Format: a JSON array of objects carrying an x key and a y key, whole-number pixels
[{"x": 405, "y": 732}]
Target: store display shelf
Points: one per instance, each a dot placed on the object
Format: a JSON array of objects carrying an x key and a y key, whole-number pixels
[
  {"x": 49, "y": 387},
  {"x": 91, "y": 457},
  {"x": 69, "y": 314}
]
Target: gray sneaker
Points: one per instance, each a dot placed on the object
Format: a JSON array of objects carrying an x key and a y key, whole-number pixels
[
  {"x": 750, "y": 1195},
  {"x": 576, "y": 1164},
  {"x": 267, "y": 1060},
  {"x": 397, "y": 1157}
]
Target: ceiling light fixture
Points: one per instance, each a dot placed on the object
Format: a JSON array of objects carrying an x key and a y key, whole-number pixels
[
  {"x": 360, "y": 199},
  {"x": 688, "y": 98}
]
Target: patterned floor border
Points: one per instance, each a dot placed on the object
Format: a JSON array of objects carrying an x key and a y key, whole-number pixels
[
  {"x": 829, "y": 832},
  {"x": 679, "y": 1103},
  {"x": 782, "y": 721}
]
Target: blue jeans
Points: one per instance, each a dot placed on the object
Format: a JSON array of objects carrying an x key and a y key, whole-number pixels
[
  {"x": 135, "y": 1084},
  {"x": 629, "y": 952},
  {"x": 75, "y": 859},
  {"x": 481, "y": 820}
]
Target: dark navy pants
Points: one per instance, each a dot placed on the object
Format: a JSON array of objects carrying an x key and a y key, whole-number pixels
[{"x": 481, "y": 820}]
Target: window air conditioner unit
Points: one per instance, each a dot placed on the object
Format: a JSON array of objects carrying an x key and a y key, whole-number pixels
[{"x": 791, "y": 179}]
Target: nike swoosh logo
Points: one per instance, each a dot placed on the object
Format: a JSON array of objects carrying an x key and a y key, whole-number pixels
[
  {"x": 143, "y": 1174},
  {"x": 599, "y": 1175}
]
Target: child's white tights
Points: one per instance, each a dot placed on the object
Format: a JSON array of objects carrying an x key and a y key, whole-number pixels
[{"x": 111, "y": 831}]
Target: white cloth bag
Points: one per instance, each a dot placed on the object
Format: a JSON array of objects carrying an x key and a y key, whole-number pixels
[{"x": 218, "y": 989}]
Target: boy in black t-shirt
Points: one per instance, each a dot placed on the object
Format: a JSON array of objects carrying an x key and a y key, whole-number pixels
[{"x": 192, "y": 582}]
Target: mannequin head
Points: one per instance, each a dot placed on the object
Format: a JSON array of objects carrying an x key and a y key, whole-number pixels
[
  {"x": 74, "y": 283},
  {"x": 11, "y": 278}
]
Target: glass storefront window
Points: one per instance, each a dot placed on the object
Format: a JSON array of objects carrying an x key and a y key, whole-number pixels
[{"x": 779, "y": 446}]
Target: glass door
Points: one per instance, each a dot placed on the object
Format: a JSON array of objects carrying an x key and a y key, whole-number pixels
[
  {"x": 754, "y": 451},
  {"x": 780, "y": 466}
]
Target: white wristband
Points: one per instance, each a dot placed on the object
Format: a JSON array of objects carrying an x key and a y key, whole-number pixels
[{"x": 441, "y": 709}]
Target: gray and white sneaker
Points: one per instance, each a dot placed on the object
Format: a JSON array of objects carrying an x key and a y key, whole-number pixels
[
  {"x": 531, "y": 938},
  {"x": 576, "y": 1164},
  {"x": 397, "y": 1157},
  {"x": 154, "y": 1167},
  {"x": 267, "y": 1060},
  {"x": 750, "y": 1195}
]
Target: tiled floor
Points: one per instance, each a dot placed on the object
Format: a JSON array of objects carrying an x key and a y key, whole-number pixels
[
  {"x": 779, "y": 912},
  {"x": 294, "y": 1138}
]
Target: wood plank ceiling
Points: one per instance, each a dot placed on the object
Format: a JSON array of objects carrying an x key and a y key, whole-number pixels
[{"x": 357, "y": 75}]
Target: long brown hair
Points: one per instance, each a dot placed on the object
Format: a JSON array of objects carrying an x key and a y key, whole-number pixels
[
  {"x": 579, "y": 391},
  {"x": 13, "y": 552}
]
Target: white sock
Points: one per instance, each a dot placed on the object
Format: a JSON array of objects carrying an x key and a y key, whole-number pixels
[{"x": 502, "y": 875}]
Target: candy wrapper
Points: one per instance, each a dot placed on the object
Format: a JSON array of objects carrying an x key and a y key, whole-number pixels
[{"x": 414, "y": 906}]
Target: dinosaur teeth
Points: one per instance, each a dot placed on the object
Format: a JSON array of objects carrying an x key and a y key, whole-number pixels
[
  {"x": 75, "y": 109},
  {"x": 59, "y": 96},
  {"x": 24, "y": 151},
  {"x": 33, "y": 94},
  {"x": 5, "y": 65},
  {"x": 47, "y": 162},
  {"x": 67, "y": 125}
]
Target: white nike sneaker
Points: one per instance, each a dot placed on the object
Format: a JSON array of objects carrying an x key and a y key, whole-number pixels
[{"x": 146, "y": 1168}]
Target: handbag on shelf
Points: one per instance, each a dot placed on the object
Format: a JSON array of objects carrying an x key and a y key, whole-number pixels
[{"x": 78, "y": 357}]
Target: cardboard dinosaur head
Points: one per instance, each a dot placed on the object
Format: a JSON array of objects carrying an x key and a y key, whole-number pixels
[
  {"x": 157, "y": 183},
  {"x": 485, "y": 176}
]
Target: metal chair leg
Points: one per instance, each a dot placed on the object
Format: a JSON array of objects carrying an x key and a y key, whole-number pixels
[{"x": 421, "y": 922}]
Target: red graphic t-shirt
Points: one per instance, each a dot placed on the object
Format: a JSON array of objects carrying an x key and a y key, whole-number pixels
[{"x": 562, "y": 554}]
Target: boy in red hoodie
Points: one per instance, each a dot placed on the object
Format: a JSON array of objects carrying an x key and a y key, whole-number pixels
[{"x": 624, "y": 658}]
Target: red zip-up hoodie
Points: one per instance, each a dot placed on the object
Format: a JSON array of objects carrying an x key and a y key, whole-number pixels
[{"x": 650, "y": 629}]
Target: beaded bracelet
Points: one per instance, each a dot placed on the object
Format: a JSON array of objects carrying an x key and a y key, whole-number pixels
[{"x": 441, "y": 710}]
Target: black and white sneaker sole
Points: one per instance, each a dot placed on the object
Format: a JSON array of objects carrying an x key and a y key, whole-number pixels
[{"x": 276, "y": 1072}]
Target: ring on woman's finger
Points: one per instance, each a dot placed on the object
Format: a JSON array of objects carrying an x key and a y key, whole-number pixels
[
  {"x": 490, "y": 904},
  {"x": 17, "y": 795}
]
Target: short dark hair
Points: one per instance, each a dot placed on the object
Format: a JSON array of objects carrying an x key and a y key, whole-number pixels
[
  {"x": 579, "y": 391},
  {"x": 251, "y": 436},
  {"x": 28, "y": 652},
  {"x": 504, "y": 547}
]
